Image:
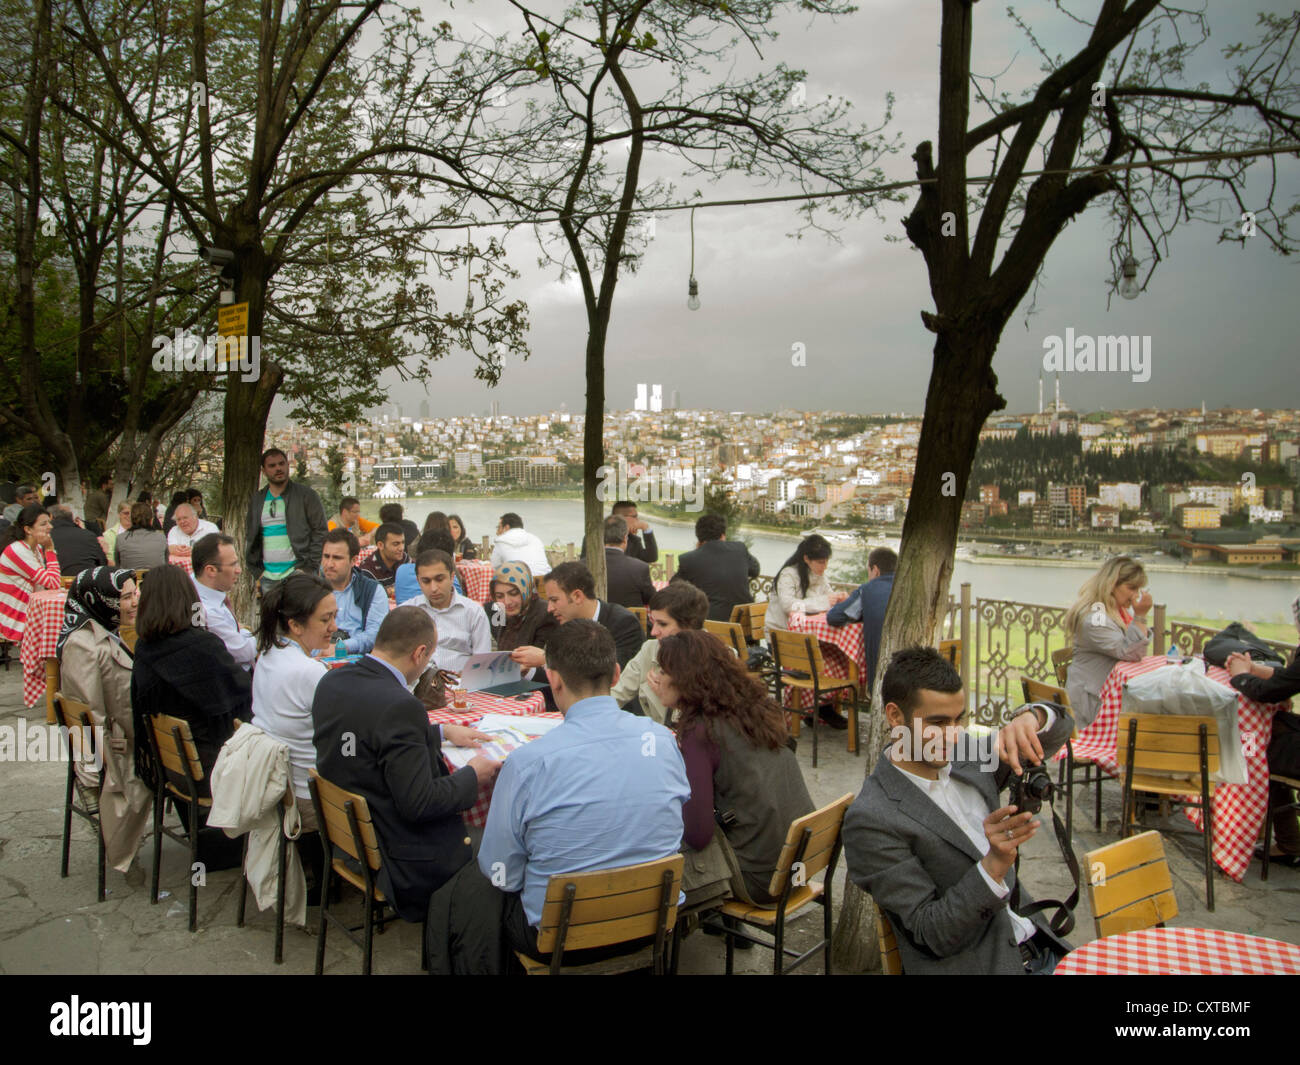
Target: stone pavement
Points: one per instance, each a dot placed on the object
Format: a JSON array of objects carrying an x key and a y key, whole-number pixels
[{"x": 52, "y": 925}]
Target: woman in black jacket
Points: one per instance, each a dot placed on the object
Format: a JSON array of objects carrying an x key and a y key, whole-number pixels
[
  {"x": 183, "y": 670},
  {"x": 1277, "y": 684}
]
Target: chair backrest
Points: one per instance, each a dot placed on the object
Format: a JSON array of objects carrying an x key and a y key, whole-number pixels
[
  {"x": 75, "y": 717},
  {"x": 611, "y": 905},
  {"x": 823, "y": 828},
  {"x": 798, "y": 652},
  {"x": 951, "y": 650},
  {"x": 750, "y": 617},
  {"x": 354, "y": 835},
  {"x": 891, "y": 962},
  {"x": 1169, "y": 743},
  {"x": 1037, "y": 691},
  {"x": 731, "y": 634},
  {"x": 1061, "y": 664},
  {"x": 639, "y": 613},
  {"x": 175, "y": 744},
  {"x": 53, "y": 682},
  {"x": 1129, "y": 886}
]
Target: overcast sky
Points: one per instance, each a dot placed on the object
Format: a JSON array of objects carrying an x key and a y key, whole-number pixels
[{"x": 1221, "y": 318}]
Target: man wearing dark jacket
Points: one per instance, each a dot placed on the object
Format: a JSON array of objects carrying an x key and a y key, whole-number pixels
[
  {"x": 571, "y": 594},
  {"x": 641, "y": 543},
  {"x": 373, "y": 737},
  {"x": 868, "y": 604},
  {"x": 77, "y": 548},
  {"x": 285, "y": 525},
  {"x": 627, "y": 578},
  {"x": 720, "y": 568}
]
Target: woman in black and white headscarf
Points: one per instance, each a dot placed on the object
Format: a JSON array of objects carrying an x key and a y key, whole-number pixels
[
  {"x": 1276, "y": 685},
  {"x": 95, "y": 668}
]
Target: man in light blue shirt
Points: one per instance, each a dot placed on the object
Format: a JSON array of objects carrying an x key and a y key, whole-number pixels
[
  {"x": 362, "y": 603},
  {"x": 604, "y": 789}
]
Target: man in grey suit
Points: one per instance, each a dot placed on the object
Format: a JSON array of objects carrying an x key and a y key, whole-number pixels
[{"x": 928, "y": 838}]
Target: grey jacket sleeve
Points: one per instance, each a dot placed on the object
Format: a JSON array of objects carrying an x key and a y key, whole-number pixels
[
  {"x": 1107, "y": 639},
  {"x": 315, "y": 515}
]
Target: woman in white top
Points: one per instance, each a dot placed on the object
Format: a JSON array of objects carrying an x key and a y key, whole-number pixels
[
  {"x": 801, "y": 585},
  {"x": 297, "y": 621}
]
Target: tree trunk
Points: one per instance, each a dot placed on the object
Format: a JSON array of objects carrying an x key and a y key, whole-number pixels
[
  {"x": 962, "y": 394},
  {"x": 593, "y": 450}
]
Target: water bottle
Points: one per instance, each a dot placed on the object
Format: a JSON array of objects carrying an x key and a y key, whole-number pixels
[
  {"x": 339, "y": 650},
  {"x": 1175, "y": 658}
]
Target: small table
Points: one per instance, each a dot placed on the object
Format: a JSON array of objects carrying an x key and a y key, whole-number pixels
[
  {"x": 1238, "y": 808},
  {"x": 481, "y": 703},
  {"x": 40, "y": 640},
  {"x": 1181, "y": 952},
  {"x": 840, "y": 646},
  {"x": 476, "y": 579},
  {"x": 183, "y": 561}
]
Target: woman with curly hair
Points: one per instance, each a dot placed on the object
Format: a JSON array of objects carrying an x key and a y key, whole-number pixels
[{"x": 739, "y": 760}]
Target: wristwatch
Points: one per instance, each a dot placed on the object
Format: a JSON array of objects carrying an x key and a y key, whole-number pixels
[{"x": 1031, "y": 708}]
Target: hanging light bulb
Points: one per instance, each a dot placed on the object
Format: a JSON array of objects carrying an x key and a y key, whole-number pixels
[
  {"x": 693, "y": 295},
  {"x": 1128, "y": 285}
]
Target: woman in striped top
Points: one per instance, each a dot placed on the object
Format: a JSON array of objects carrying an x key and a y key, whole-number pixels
[{"x": 27, "y": 563}]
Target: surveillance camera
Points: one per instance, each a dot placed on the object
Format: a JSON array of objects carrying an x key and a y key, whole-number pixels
[{"x": 217, "y": 258}]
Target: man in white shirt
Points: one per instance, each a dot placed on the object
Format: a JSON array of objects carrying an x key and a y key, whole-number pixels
[
  {"x": 216, "y": 569},
  {"x": 514, "y": 545},
  {"x": 461, "y": 621},
  {"x": 928, "y": 837},
  {"x": 188, "y": 530}
]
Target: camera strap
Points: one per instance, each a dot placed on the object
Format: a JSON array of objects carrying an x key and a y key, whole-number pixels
[{"x": 1062, "y": 923}]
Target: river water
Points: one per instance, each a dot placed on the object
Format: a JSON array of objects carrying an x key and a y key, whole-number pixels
[{"x": 1190, "y": 593}]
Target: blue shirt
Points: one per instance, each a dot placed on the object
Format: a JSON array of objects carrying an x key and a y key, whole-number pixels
[
  {"x": 360, "y": 639},
  {"x": 603, "y": 789},
  {"x": 867, "y": 604},
  {"x": 406, "y": 585}
]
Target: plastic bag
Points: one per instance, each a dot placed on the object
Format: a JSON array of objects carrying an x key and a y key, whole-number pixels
[{"x": 1185, "y": 689}]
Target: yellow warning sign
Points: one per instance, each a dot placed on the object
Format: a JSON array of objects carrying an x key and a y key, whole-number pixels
[{"x": 232, "y": 321}]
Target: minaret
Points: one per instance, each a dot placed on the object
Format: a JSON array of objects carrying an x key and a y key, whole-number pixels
[
  {"x": 1040, "y": 391},
  {"x": 1057, "y": 408}
]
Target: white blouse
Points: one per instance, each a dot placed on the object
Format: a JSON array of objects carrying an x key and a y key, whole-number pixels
[{"x": 284, "y": 684}]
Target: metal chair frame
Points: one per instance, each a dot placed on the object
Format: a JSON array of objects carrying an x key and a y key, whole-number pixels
[
  {"x": 815, "y": 657},
  {"x": 69, "y": 807},
  {"x": 164, "y": 795},
  {"x": 282, "y": 860},
  {"x": 1269, "y": 810}
]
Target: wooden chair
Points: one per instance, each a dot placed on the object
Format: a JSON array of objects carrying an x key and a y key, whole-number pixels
[
  {"x": 282, "y": 861},
  {"x": 1129, "y": 886},
  {"x": 811, "y": 846},
  {"x": 53, "y": 682},
  {"x": 1290, "y": 782},
  {"x": 891, "y": 962},
  {"x": 607, "y": 907},
  {"x": 751, "y": 618},
  {"x": 799, "y": 665},
  {"x": 74, "y": 717},
  {"x": 347, "y": 832},
  {"x": 180, "y": 775},
  {"x": 951, "y": 650},
  {"x": 1168, "y": 743},
  {"x": 5, "y": 657},
  {"x": 1061, "y": 664},
  {"x": 639, "y": 612},
  {"x": 66, "y": 581},
  {"x": 1036, "y": 691}
]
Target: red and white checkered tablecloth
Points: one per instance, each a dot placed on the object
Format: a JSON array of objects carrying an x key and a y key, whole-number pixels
[
  {"x": 366, "y": 552},
  {"x": 659, "y": 585},
  {"x": 40, "y": 637},
  {"x": 481, "y": 703},
  {"x": 840, "y": 646},
  {"x": 1181, "y": 952},
  {"x": 183, "y": 561},
  {"x": 476, "y": 578},
  {"x": 1238, "y": 808}
]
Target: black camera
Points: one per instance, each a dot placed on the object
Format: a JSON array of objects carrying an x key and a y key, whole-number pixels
[{"x": 1030, "y": 789}]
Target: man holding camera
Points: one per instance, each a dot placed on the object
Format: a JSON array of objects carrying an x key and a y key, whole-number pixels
[{"x": 931, "y": 841}]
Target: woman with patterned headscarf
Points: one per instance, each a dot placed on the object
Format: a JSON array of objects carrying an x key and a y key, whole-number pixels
[
  {"x": 95, "y": 668},
  {"x": 516, "y": 613},
  {"x": 1275, "y": 686}
]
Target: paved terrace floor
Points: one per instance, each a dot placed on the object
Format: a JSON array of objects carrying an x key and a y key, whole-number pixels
[{"x": 52, "y": 925}]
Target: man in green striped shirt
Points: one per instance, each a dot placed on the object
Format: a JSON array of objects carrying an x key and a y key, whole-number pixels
[{"x": 286, "y": 524}]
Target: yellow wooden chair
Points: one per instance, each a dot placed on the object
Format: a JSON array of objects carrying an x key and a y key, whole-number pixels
[
  {"x": 52, "y": 685},
  {"x": 1061, "y": 664},
  {"x": 348, "y": 832},
  {"x": 180, "y": 777},
  {"x": 1129, "y": 886},
  {"x": 800, "y": 666},
  {"x": 1185, "y": 748},
  {"x": 1037, "y": 691},
  {"x": 639, "y": 612},
  {"x": 584, "y": 911},
  {"x": 83, "y": 740},
  {"x": 951, "y": 650},
  {"x": 891, "y": 962},
  {"x": 812, "y": 845},
  {"x": 751, "y": 617}
]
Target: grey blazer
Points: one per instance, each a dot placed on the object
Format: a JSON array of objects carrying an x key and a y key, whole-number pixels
[
  {"x": 1096, "y": 650},
  {"x": 920, "y": 868}
]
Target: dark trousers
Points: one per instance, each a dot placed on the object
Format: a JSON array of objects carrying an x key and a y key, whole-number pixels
[{"x": 1284, "y": 758}]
